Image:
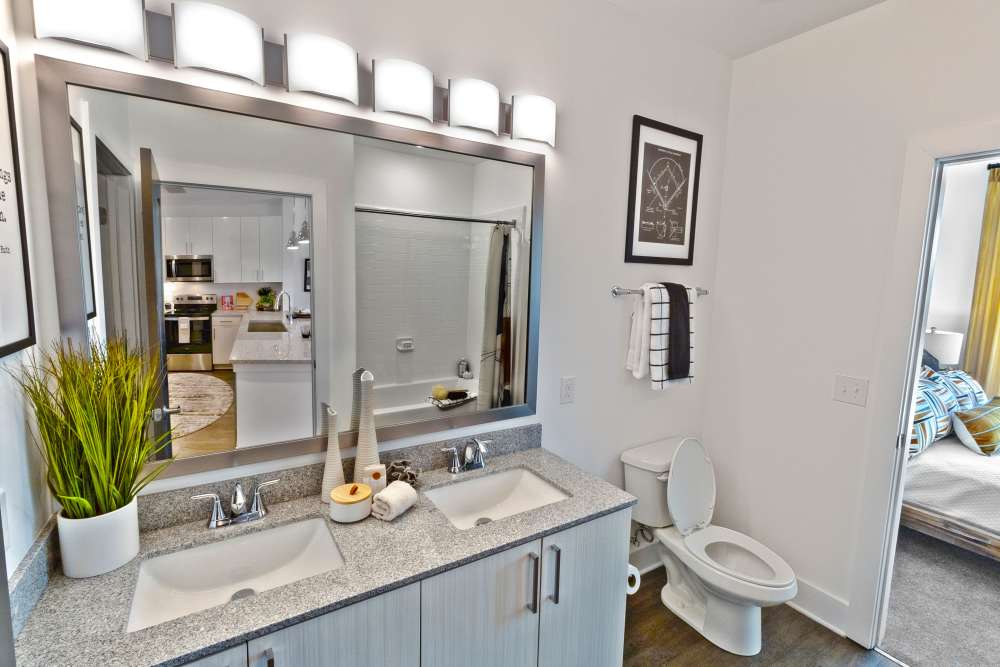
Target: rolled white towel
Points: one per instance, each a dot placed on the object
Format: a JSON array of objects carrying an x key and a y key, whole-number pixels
[{"x": 393, "y": 501}]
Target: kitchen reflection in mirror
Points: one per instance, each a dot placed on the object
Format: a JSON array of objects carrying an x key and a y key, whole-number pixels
[{"x": 286, "y": 257}]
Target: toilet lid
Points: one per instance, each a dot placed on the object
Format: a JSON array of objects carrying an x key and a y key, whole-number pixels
[{"x": 691, "y": 487}]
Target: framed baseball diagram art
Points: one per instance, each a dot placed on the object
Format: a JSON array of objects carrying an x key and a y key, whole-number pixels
[{"x": 662, "y": 193}]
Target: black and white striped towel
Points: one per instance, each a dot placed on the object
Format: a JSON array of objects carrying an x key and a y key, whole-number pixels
[{"x": 649, "y": 337}]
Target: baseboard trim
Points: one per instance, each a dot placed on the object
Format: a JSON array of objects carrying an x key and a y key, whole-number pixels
[{"x": 825, "y": 608}]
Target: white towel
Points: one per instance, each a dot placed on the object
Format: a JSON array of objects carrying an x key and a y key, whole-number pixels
[
  {"x": 393, "y": 501},
  {"x": 637, "y": 354},
  {"x": 183, "y": 330}
]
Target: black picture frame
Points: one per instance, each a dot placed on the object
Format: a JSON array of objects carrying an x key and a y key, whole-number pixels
[
  {"x": 691, "y": 184},
  {"x": 307, "y": 282},
  {"x": 10, "y": 347},
  {"x": 88, "y": 266}
]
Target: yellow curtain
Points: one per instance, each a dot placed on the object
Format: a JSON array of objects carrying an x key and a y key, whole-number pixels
[{"x": 982, "y": 342}]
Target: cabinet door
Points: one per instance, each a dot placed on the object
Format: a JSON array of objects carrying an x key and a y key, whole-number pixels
[
  {"x": 479, "y": 614},
  {"x": 224, "y": 330},
  {"x": 583, "y": 593},
  {"x": 226, "y": 251},
  {"x": 384, "y": 630},
  {"x": 234, "y": 657},
  {"x": 271, "y": 250},
  {"x": 250, "y": 250},
  {"x": 200, "y": 236},
  {"x": 175, "y": 236}
]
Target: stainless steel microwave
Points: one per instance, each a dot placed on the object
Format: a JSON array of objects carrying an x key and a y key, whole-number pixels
[{"x": 189, "y": 269}]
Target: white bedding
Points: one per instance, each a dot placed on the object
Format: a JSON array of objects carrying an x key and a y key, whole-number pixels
[{"x": 952, "y": 480}]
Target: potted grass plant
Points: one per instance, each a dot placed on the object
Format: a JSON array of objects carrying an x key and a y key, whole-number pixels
[{"x": 92, "y": 406}]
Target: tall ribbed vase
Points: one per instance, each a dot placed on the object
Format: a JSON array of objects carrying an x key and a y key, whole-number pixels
[
  {"x": 333, "y": 472},
  {"x": 367, "y": 444}
]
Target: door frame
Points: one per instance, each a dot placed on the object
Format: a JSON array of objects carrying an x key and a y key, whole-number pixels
[{"x": 898, "y": 339}]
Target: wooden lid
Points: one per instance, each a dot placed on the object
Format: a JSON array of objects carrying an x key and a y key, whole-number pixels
[{"x": 348, "y": 494}]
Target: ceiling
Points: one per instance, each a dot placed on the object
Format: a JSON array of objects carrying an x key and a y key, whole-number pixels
[{"x": 738, "y": 27}]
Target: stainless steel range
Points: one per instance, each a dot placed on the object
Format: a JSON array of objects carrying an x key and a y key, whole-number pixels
[{"x": 188, "y": 332}]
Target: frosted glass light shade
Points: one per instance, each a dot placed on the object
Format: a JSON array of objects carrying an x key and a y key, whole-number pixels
[
  {"x": 404, "y": 87},
  {"x": 533, "y": 117},
  {"x": 113, "y": 24},
  {"x": 321, "y": 64},
  {"x": 946, "y": 346},
  {"x": 211, "y": 37},
  {"x": 474, "y": 103}
]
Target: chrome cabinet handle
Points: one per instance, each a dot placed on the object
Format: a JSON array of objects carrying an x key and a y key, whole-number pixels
[
  {"x": 269, "y": 657},
  {"x": 535, "y": 582},
  {"x": 555, "y": 590}
]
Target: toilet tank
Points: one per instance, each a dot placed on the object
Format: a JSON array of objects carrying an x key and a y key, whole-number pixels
[{"x": 645, "y": 465}]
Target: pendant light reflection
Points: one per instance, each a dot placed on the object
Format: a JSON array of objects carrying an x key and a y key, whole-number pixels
[{"x": 293, "y": 241}]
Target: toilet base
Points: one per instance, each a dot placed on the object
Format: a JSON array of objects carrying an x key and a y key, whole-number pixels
[{"x": 732, "y": 626}]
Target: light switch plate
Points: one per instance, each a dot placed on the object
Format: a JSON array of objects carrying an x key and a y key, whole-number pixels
[
  {"x": 567, "y": 389},
  {"x": 847, "y": 389}
]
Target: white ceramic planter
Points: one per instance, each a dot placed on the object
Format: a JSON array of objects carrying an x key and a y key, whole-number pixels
[{"x": 93, "y": 546}]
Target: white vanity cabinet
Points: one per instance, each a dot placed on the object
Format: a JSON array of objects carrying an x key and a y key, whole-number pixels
[
  {"x": 224, "y": 331},
  {"x": 234, "y": 657},
  {"x": 384, "y": 630},
  {"x": 555, "y": 601}
]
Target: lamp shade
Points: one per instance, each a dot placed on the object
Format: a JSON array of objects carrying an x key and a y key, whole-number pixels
[
  {"x": 321, "y": 64},
  {"x": 211, "y": 37},
  {"x": 474, "y": 103},
  {"x": 112, "y": 24},
  {"x": 946, "y": 346},
  {"x": 403, "y": 87},
  {"x": 533, "y": 117}
]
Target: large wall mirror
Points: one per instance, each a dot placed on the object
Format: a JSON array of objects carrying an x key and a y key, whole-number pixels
[{"x": 266, "y": 259}]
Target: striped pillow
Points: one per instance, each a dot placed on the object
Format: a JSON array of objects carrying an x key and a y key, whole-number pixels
[
  {"x": 942, "y": 401},
  {"x": 969, "y": 393},
  {"x": 924, "y": 422},
  {"x": 979, "y": 428}
]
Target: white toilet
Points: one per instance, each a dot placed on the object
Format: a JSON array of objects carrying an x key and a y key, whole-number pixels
[{"x": 717, "y": 579}]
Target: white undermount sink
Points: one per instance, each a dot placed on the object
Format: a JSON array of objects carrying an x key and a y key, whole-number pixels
[
  {"x": 191, "y": 580},
  {"x": 485, "y": 499}
]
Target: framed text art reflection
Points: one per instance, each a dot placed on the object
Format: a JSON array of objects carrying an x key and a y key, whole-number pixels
[{"x": 17, "y": 321}]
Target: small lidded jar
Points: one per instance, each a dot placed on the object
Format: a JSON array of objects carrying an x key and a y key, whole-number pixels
[{"x": 350, "y": 503}]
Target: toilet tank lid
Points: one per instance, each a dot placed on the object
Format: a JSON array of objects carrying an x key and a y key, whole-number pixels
[{"x": 654, "y": 456}]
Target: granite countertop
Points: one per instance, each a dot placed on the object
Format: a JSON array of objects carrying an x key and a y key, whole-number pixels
[
  {"x": 82, "y": 621},
  {"x": 269, "y": 347}
]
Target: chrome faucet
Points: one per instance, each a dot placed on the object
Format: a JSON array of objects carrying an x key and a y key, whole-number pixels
[
  {"x": 237, "y": 506},
  {"x": 469, "y": 458},
  {"x": 287, "y": 317}
]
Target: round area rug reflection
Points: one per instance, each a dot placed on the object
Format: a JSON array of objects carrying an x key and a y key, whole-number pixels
[{"x": 202, "y": 398}]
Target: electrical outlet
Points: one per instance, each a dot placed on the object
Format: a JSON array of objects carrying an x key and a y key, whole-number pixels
[
  {"x": 847, "y": 389},
  {"x": 567, "y": 389}
]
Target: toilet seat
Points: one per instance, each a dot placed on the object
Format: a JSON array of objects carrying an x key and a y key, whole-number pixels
[{"x": 740, "y": 556}]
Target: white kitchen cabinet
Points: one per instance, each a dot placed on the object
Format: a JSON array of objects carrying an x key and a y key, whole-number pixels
[
  {"x": 224, "y": 331},
  {"x": 271, "y": 249},
  {"x": 250, "y": 249},
  {"x": 175, "y": 236},
  {"x": 200, "y": 236},
  {"x": 227, "y": 254},
  {"x": 384, "y": 630},
  {"x": 187, "y": 236},
  {"x": 582, "y": 620},
  {"x": 479, "y": 613},
  {"x": 234, "y": 657}
]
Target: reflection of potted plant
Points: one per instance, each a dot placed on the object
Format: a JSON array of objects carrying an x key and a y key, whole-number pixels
[
  {"x": 92, "y": 408},
  {"x": 265, "y": 298}
]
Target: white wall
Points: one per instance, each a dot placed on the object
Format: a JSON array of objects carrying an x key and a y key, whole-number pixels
[
  {"x": 957, "y": 246},
  {"x": 600, "y": 68},
  {"x": 817, "y": 276}
]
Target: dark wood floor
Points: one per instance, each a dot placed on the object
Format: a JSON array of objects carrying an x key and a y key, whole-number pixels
[{"x": 654, "y": 636}]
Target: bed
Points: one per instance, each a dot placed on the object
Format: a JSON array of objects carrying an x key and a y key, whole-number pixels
[{"x": 953, "y": 494}]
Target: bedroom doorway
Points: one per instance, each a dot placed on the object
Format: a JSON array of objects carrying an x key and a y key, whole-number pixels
[{"x": 944, "y": 551}]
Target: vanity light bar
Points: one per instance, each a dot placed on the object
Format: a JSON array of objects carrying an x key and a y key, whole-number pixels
[
  {"x": 211, "y": 37},
  {"x": 111, "y": 24}
]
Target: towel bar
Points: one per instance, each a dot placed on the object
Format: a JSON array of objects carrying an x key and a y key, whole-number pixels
[{"x": 617, "y": 291}]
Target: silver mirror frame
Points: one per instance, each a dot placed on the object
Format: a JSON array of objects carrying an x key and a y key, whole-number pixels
[{"x": 54, "y": 76}]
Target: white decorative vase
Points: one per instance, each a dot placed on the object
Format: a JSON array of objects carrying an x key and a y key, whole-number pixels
[
  {"x": 367, "y": 451},
  {"x": 333, "y": 472},
  {"x": 93, "y": 546}
]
